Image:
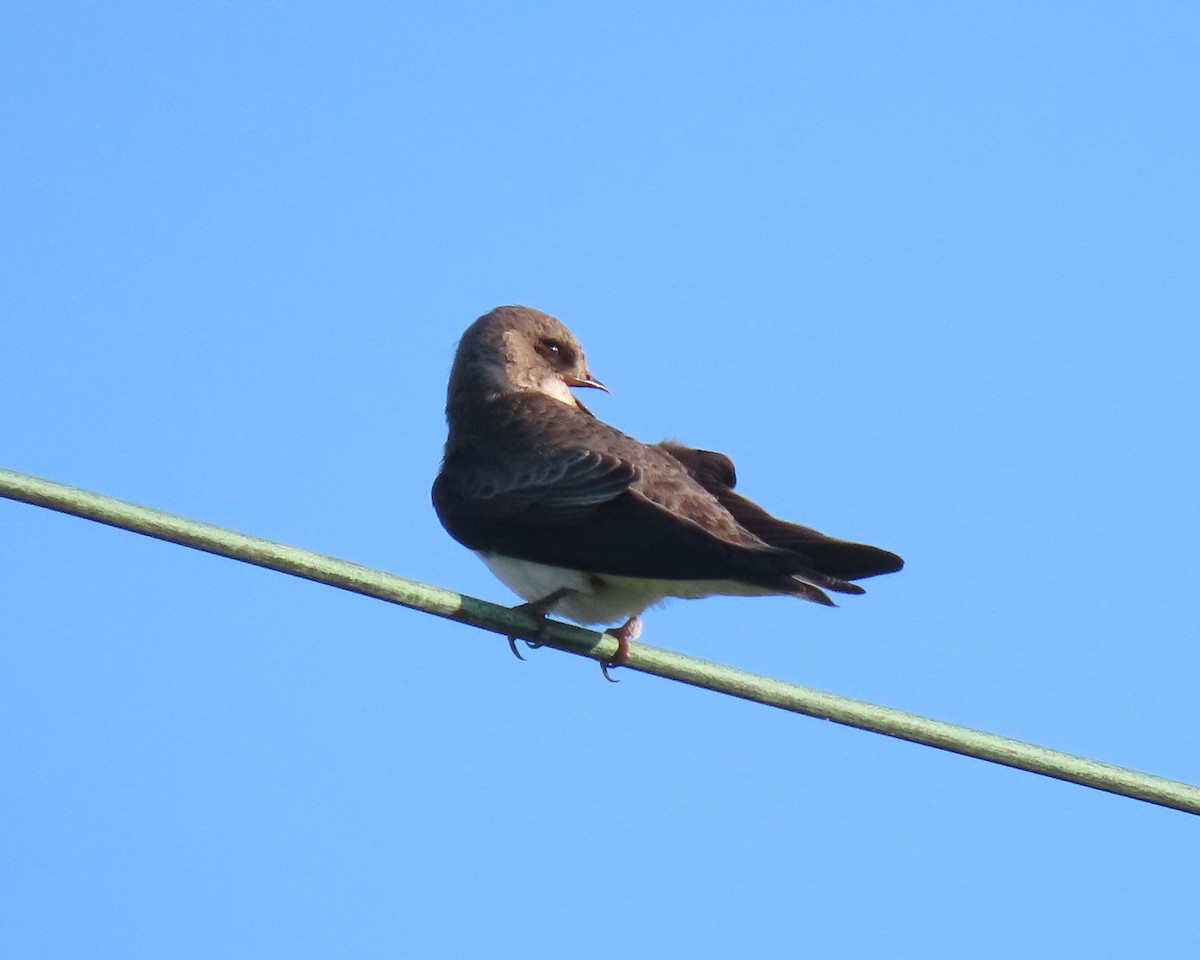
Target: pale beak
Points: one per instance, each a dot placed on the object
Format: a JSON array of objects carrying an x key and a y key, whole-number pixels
[{"x": 587, "y": 381}]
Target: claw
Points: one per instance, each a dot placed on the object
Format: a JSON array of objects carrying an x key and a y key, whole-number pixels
[
  {"x": 538, "y": 609},
  {"x": 512, "y": 645},
  {"x": 630, "y": 630}
]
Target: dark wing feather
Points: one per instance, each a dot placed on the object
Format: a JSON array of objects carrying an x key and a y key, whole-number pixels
[
  {"x": 712, "y": 470},
  {"x": 842, "y": 559},
  {"x": 532, "y": 478},
  {"x": 588, "y": 510},
  {"x": 553, "y": 487}
]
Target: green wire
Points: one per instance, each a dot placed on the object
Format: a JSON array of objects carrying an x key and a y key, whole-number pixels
[{"x": 599, "y": 646}]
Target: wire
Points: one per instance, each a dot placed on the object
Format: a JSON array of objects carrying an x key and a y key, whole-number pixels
[{"x": 599, "y": 646}]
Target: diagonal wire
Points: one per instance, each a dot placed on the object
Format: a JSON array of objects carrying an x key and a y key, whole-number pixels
[{"x": 599, "y": 646}]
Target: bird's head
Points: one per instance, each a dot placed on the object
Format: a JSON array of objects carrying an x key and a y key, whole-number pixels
[{"x": 518, "y": 349}]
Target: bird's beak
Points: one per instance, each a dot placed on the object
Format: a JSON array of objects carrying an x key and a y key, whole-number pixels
[{"x": 586, "y": 381}]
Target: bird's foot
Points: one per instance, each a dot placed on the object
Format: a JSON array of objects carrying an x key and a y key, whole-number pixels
[
  {"x": 537, "y": 609},
  {"x": 630, "y": 630}
]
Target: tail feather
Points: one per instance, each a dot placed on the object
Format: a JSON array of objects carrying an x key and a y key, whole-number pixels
[
  {"x": 798, "y": 588},
  {"x": 828, "y": 562},
  {"x": 841, "y": 559}
]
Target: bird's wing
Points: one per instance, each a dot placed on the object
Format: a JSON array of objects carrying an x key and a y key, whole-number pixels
[
  {"x": 543, "y": 482},
  {"x": 712, "y": 470},
  {"x": 843, "y": 559},
  {"x": 545, "y": 488}
]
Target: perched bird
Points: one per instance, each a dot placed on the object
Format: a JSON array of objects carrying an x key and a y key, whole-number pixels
[{"x": 584, "y": 521}]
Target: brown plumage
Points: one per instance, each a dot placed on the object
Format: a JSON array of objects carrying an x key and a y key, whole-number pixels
[{"x": 559, "y": 503}]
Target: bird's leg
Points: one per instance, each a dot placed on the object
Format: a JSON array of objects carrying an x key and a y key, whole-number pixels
[
  {"x": 538, "y": 609},
  {"x": 630, "y": 630}
]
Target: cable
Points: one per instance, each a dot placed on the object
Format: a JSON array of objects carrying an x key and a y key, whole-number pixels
[{"x": 599, "y": 646}]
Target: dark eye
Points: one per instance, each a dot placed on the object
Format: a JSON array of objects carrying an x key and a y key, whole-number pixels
[{"x": 555, "y": 350}]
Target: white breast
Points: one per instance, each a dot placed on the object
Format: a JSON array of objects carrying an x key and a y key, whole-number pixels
[{"x": 602, "y": 598}]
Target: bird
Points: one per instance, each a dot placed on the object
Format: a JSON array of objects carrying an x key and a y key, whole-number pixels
[{"x": 585, "y": 522}]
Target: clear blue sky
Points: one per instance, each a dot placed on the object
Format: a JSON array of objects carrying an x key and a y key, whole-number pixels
[{"x": 927, "y": 272}]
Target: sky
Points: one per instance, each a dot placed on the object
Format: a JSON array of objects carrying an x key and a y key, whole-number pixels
[{"x": 927, "y": 273}]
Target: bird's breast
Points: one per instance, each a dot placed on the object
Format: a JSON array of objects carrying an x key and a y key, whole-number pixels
[{"x": 597, "y": 598}]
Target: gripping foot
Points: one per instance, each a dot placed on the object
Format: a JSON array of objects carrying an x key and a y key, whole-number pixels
[
  {"x": 537, "y": 609},
  {"x": 630, "y": 630}
]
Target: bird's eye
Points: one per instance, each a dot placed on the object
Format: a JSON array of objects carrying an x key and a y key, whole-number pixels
[{"x": 557, "y": 353}]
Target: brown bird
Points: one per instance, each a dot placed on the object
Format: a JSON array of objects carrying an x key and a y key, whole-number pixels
[{"x": 584, "y": 521}]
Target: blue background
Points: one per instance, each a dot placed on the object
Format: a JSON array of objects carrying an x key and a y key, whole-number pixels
[{"x": 927, "y": 272}]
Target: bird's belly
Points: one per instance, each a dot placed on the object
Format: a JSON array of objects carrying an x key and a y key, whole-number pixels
[{"x": 603, "y": 597}]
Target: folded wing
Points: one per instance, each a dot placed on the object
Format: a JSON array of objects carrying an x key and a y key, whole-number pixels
[{"x": 842, "y": 559}]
